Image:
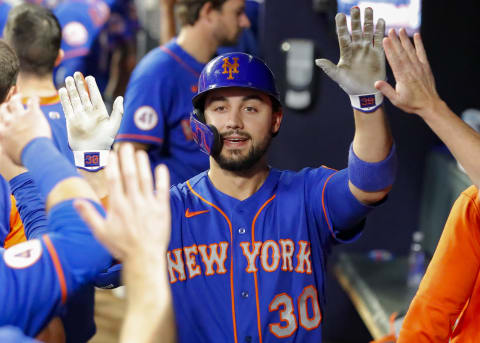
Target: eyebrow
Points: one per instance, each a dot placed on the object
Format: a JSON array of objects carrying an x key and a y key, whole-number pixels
[{"x": 245, "y": 98}]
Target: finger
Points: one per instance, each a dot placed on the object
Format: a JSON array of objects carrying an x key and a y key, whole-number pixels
[
  {"x": 144, "y": 173},
  {"x": 343, "y": 37},
  {"x": 162, "y": 185},
  {"x": 15, "y": 105},
  {"x": 379, "y": 33},
  {"x": 368, "y": 26},
  {"x": 356, "y": 24},
  {"x": 5, "y": 114},
  {"x": 83, "y": 92},
  {"x": 33, "y": 104},
  {"x": 95, "y": 94},
  {"x": 114, "y": 180},
  {"x": 421, "y": 53},
  {"x": 408, "y": 46},
  {"x": 328, "y": 67},
  {"x": 387, "y": 90},
  {"x": 74, "y": 96},
  {"x": 66, "y": 104},
  {"x": 117, "y": 114},
  {"x": 128, "y": 171},
  {"x": 392, "y": 57}
]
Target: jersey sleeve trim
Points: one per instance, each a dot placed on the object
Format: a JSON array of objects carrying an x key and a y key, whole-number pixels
[
  {"x": 324, "y": 209},
  {"x": 259, "y": 325},
  {"x": 231, "y": 256},
  {"x": 137, "y": 137},
  {"x": 58, "y": 267}
]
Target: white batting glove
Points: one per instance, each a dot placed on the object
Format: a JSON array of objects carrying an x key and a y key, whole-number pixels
[
  {"x": 91, "y": 131},
  {"x": 362, "y": 60}
]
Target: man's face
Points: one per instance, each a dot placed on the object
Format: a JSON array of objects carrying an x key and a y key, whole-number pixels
[
  {"x": 231, "y": 21},
  {"x": 245, "y": 122}
]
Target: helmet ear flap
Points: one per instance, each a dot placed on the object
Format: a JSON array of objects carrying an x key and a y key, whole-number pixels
[{"x": 206, "y": 136}]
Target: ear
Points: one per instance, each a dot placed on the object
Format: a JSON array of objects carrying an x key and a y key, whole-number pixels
[
  {"x": 277, "y": 121},
  {"x": 59, "y": 58},
  {"x": 206, "y": 11},
  {"x": 11, "y": 92}
]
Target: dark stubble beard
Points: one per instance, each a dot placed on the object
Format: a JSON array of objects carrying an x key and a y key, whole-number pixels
[{"x": 242, "y": 163}]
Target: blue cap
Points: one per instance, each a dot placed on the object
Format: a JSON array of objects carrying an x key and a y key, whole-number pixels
[{"x": 235, "y": 69}]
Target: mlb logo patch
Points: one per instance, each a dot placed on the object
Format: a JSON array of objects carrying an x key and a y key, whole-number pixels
[
  {"x": 92, "y": 159},
  {"x": 367, "y": 101}
]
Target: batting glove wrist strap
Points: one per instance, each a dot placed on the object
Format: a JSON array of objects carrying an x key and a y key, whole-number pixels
[
  {"x": 46, "y": 165},
  {"x": 91, "y": 160},
  {"x": 372, "y": 176},
  {"x": 366, "y": 103}
]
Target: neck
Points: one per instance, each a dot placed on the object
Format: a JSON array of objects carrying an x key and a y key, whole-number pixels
[
  {"x": 197, "y": 42},
  {"x": 33, "y": 85},
  {"x": 238, "y": 185}
]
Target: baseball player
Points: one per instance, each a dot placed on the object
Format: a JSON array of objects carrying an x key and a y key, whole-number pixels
[
  {"x": 157, "y": 108},
  {"x": 446, "y": 306},
  {"x": 34, "y": 33},
  {"x": 248, "y": 252}
]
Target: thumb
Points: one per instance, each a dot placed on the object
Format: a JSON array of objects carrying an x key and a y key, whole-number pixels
[
  {"x": 387, "y": 90},
  {"x": 328, "y": 67},
  {"x": 117, "y": 114}
]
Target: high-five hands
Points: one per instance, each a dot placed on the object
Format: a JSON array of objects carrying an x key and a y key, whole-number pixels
[
  {"x": 362, "y": 60},
  {"x": 91, "y": 131},
  {"x": 415, "y": 90}
]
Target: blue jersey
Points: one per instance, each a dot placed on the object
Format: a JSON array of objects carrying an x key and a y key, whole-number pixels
[
  {"x": 254, "y": 270},
  {"x": 53, "y": 111},
  {"x": 158, "y": 103},
  {"x": 39, "y": 275},
  {"x": 4, "y": 9}
]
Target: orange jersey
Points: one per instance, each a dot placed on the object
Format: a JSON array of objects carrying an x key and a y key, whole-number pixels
[
  {"x": 450, "y": 289},
  {"x": 17, "y": 232}
]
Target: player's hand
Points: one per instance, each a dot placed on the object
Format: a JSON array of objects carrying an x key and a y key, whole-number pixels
[
  {"x": 415, "y": 89},
  {"x": 20, "y": 125},
  {"x": 138, "y": 219},
  {"x": 8, "y": 169},
  {"x": 362, "y": 60},
  {"x": 88, "y": 124}
]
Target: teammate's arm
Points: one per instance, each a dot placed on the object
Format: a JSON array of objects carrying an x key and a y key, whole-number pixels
[
  {"x": 415, "y": 92},
  {"x": 372, "y": 158},
  {"x": 137, "y": 232}
]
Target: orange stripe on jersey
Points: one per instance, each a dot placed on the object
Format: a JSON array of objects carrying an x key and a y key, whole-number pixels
[
  {"x": 180, "y": 61},
  {"x": 46, "y": 100},
  {"x": 17, "y": 232},
  {"x": 231, "y": 258},
  {"x": 132, "y": 136},
  {"x": 323, "y": 205},
  {"x": 324, "y": 166},
  {"x": 259, "y": 324},
  {"x": 58, "y": 267}
]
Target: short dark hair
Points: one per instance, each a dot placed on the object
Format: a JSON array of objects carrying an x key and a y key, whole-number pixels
[
  {"x": 9, "y": 66},
  {"x": 189, "y": 10},
  {"x": 35, "y": 35}
]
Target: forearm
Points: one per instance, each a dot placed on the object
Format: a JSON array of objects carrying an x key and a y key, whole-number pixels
[
  {"x": 30, "y": 205},
  {"x": 372, "y": 143},
  {"x": 149, "y": 302},
  {"x": 462, "y": 140}
]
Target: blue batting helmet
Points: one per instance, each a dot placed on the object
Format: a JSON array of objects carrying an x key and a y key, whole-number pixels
[{"x": 235, "y": 69}]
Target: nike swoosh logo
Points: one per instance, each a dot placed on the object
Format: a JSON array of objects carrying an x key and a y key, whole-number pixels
[{"x": 189, "y": 214}]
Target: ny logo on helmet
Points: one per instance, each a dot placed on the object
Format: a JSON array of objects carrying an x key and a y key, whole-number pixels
[{"x": 229, "y": 68}]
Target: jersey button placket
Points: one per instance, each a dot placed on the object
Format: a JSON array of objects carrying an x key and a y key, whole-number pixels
[
  {"x": 244, "y": 294},
  {"x": 242, "y": 231}
]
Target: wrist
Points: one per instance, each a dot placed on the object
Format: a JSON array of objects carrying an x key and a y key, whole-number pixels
[
  {"x": 367, "y": 103},
  {"x": 436, "y": 108},
  {"x": 91, "y": 160}
]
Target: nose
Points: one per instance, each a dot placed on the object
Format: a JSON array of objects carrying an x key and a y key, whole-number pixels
[
  {"x": 234, "y": 120},
  {"x": 244, "y": 21}
]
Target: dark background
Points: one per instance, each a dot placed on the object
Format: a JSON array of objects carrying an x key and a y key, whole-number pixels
[{"x": 323, "y": 134}]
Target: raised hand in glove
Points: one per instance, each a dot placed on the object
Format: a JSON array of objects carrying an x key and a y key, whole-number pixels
[
  {"x": 91, "y": 131},
  {"x": 362, "y": 60}
]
